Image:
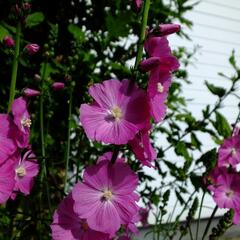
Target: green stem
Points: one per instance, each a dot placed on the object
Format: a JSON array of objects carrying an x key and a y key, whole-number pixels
[
  {"x": 68, "y": 140},
  {"x": 14, "y": 67},
  {"x": 142, "y": 33},
  {"x": 44, "y": 168},
  {"x": 199, "y": 214},
  {"x": 209, "y": 222}
]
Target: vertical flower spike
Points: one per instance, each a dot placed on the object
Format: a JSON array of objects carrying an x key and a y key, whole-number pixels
[
  {"x": 106, "y": 198},
  {"x": 6, "y": 180},
  {"x": 8, "y": 145},
  {"x": 67, "y": 225},
  {"x": 22, "y": 121},
  {"x": 25, "y": 170},
  {"x": 116, "y": 114}
]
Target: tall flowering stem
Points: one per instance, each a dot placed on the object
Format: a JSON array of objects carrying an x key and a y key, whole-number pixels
[
  {"x": 14, "y": 66},
  {"x": 68, "y": 139},
  {"x": 142, "y": 33},
  {"x": 44, "y": 168}
]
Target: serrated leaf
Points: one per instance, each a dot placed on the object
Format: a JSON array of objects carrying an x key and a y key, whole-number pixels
[
  {"x": 34, "y": 19},
  {"x": 77, "y": 33},
  {"x": 219, "y": 91}
]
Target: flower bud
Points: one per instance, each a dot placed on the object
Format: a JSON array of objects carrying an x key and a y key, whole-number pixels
[
  {"x": 28, "y": 92},
  {"x": 37, "y": 77},
  {"x": 26, "y": 6},
  {"x": 165, "y": 29},
  {"x": 32, "y": 48},
  {"x": 138, "y": 4},
  {"x": 8, "y": 42},
  {"x": 58, "y": 86}
]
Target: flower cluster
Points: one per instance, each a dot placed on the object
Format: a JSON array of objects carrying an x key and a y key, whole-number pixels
[
  {"x": 224, "y": 178},
  {"x": 16, "y": 172},
  {"x": 120, "y": 113}
]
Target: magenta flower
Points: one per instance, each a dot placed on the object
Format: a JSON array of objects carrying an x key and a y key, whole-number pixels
[
  {"x": 8, "y": 145},
  {"x": 226, "y": 193},
  {"x": 8, "y": 42},
  {"x": 28, "y": 92},
  {"x": 22, "y": 121},
  {"x": 229, "y": 152},
  {"x": 143, "y": 213},
  {"x": 25, "y": 170},
  {"x": 6, "y": 181},
  {"x": 67, "y": 225},
  {"x": 58, "y": 86},
  {"x": 158, "y": 86},
  {"x": 106, "y": 198},
  {"x": 158, "y": 48},
  {"x": 142, "y": 148},
  {"x": 32, "y": 48},
  {"x": 119, "y": 111}
]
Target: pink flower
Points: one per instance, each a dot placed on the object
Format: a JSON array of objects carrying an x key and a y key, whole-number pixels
[
  {"x": 229, "y": 152},
  {"x": 142, "y": 148},
  {"x": 158, "y": 48},
  {"x": 67, "y": 225},
  {"x": 119, "y": 111},
  {"x": 164, "y": 29},
  {"x": 58, "y": 86},
  {"x": 106, "y": 198},
  {"x": 158, "y": 86},
  {"x": 8, "y": 145},
  {"x": 143, "y": 213},
  {"x": 138, "y": 4},
  {"x": 212, "y": 177},
  {"x": 6, "y": 180},
  {"x": 32, "y": 48},
  {"x": 226, "y": 193},
  {"x": 28, "y": 92},
  {"x": 22, "y": 121},
  {"x": 25, "y": 170},
  {"x": 8, "y": 42}
]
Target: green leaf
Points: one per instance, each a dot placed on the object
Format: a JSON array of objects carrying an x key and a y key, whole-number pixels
[
  {"x": 3, "y": 32},
  {"x": 34, "y": 19},
  {"x": 181, "y": 150},
  {"x": 219, "y": 91},
  {"x": 195, "y": 142},
  {"x": 222, "y": 126},
  {"x": 208, "y": 159},
  {"x": 77, "y": 33}
]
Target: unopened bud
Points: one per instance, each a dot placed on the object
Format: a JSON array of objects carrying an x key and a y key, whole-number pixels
[
  {"x": 28, "y": 92},
  {"x": 58, "y": 86},
  {"x": 8, "y": 42},
  {"x": 32, "y": 48}
]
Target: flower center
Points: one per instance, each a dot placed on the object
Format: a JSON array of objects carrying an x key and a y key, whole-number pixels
[
  {"x": 230, "y": 193},
  {"x": 84, "y": 226},
  {"x": 233, "y": 151},
  {"x": 107, "y": 195},
  {"x": 26, "y": 122},
  {"x": 20, "y": 171},
  {"x": 160, "y": 88},
  {"x": 116, "y": 112}
]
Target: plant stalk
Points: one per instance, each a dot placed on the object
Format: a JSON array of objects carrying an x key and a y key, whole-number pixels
[{"x": 14, "y": 67}]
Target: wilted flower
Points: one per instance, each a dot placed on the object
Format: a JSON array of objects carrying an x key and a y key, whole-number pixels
[
  {"x": 28, "y": 92},
  {"x": 116, "y": 114},
  {"x": 58, "y": 86},
  {"x": 106, "y": 198},
  {"x": 32, "y": 48},
  {"x": 8, "y": 42}
]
